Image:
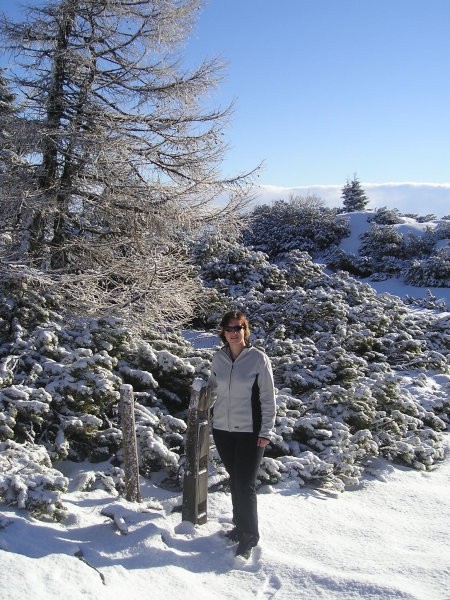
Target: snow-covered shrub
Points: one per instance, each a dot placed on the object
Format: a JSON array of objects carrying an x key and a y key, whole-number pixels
[
  {"x": 342, "y": 426},
  {"x": 307, "y": 468},
  {"x": 433, "y": 271},
  {"x": 430, "y": 301},
  {"x": 312, "y": 447},
  {"x": 112, "y": 480},
  {"x": 172, "y": 363},
  {"x": 237, "y": 269},
  {"x": 23, "y": 307},
  {"x": 337, "y": 259},
  {"x": 382, "y": 242},
  {"x": 296, "y": 225},
  {"x": 385, "y": 216},
  {"x": 417, "y": 246},
  {"x": 22, "y": 407},
  {"x": 28, "y": 480},
  {"x": 298, "y": 269},
  {"x": 442, "y": 232},
  {"x": 83, "y": 381},
  {"x": 160, "y": 438},
  {"x": 425, "y": 218}
]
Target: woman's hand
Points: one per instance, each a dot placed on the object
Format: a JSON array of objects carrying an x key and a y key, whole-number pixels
[{"x": 262, "y": 442}]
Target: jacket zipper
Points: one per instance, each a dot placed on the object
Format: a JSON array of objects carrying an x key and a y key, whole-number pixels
[{"x": 229, "y": 395}]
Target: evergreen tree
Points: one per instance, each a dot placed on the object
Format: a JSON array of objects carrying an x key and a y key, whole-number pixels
[{"x": 353, "y": 196}]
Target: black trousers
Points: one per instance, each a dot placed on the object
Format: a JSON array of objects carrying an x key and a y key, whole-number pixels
[{"x": 241, "y": 458}]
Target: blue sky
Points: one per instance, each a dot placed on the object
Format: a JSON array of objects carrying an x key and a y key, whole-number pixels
[
  {"x": 325, "y": 89},
  {"x": 328, "y": 88}
]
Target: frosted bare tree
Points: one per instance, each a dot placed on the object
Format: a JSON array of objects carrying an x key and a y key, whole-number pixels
[
  {"x": 124, "y": 156},
  {"x": 15, "y": 171}
]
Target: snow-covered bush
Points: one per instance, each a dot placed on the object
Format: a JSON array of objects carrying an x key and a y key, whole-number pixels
[
  {"x": 381, "y": 242},
  {"x": 417, "y": 246},
  {"x": 22, "y": 407},
  {"x": 442, "y": 230},
  {"x": 426, "y": 218},
  {"x": 337, "y": 259},
  {"x": 296, "y": 225},
  {"x": 430, "y": 301},
  {"x": 111, "y": 479},
  {"x": 298, "y": 268},
  {"x": 433, "y": 271},
  {"x": 236, "y": 269},
  {"x": 28, "y": 480},
  {"x": 386, "y": 216},
  {"x": 160, "y": 438}
]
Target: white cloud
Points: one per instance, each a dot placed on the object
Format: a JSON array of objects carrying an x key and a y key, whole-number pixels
[{"x": 416, "y": 198}]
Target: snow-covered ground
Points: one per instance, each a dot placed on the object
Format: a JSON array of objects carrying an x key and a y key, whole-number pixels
[
  {"x": 388, "y": 539},
  {"x": 360, "y": 224}
]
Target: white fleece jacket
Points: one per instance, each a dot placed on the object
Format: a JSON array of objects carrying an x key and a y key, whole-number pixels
[{"x": 243, "y": 393}]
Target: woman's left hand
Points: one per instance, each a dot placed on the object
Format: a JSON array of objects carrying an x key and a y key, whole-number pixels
[{"x": 262, "y": 442}]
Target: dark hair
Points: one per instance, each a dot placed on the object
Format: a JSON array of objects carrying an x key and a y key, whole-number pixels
[{"x": 234, "y": 314}]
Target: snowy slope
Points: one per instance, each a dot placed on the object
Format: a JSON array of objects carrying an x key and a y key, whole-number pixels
[{"x": 359, "y": 225}]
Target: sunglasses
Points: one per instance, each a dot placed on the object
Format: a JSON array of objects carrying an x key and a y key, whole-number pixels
[{"x": 235, "y": 328}]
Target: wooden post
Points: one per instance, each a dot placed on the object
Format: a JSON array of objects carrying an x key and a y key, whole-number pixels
[
  {"x": 195, "y": 484},
  {"x": 132, "y": 492}
]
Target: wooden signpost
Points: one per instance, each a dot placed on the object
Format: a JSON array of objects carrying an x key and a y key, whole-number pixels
[
  {"x": 195, "y": 484},
  {"x": 132, "y": 491}
]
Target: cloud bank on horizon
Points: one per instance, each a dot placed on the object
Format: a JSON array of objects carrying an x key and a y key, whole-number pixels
[{"x": 408, "y": 197}]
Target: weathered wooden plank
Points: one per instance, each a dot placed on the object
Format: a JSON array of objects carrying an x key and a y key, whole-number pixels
[
  {"x": 132, "y": 491},
  {"x": 195, "y": 484}
]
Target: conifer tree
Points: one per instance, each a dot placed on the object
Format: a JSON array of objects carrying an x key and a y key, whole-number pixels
[{"x": 353, "y": 196}]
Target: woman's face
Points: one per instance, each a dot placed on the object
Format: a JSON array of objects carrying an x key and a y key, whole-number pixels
[{"x": 234, "y": 332}]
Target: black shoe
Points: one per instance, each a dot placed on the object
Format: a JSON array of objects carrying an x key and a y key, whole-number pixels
[
  {"x": 247, "y": 541},
  {"x": 245, "y": 553},
  {"x": 233, "y": 535}
]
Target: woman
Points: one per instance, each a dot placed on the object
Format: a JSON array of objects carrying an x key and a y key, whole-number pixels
[{"x": 243, "y": 419}]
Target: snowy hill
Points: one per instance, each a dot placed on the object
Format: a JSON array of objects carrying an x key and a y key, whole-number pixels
[{"x": 408, "y": 226}]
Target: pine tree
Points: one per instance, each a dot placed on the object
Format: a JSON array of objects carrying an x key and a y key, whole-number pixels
[{"x": 353, "y": 196}]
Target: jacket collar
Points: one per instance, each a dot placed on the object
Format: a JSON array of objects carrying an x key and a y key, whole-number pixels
[{"x": 227, "y": 350}]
